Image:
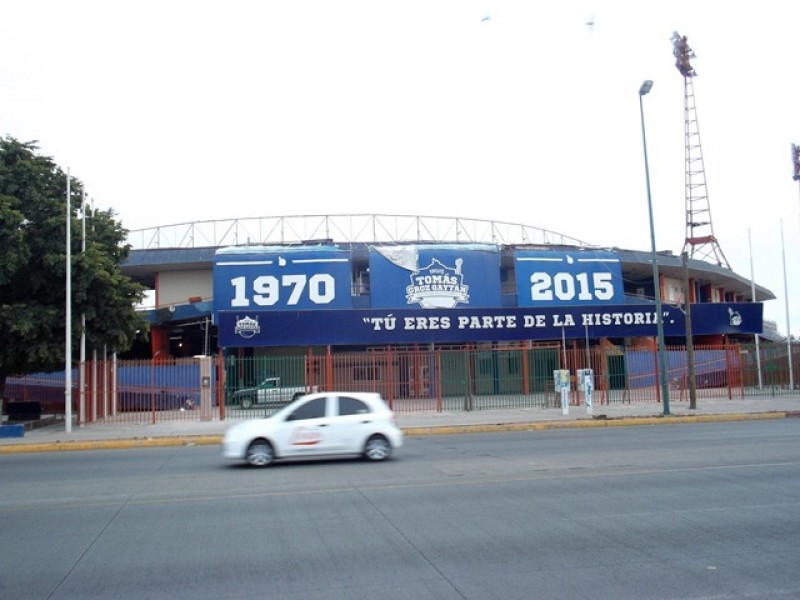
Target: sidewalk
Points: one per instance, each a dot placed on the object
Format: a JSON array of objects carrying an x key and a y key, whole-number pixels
[{"x": 171, "y": 433}]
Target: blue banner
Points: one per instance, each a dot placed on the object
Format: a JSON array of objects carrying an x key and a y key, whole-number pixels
[
  {"x": 558, "y": 278},
  {"x": 264, "y": 278},
  {"x": 379, "y": 327},
  {"x": 435, "y": 276}
]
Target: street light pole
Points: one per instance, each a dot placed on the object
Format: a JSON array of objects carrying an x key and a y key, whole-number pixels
[
  {"x": 662, "y": 367},
  {"x": 68, "y": 318}
]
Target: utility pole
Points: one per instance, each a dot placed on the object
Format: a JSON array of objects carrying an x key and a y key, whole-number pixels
[{"x": 689, "y": 341}]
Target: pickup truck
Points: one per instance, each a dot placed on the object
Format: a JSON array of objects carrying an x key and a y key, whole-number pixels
[{"x": 270, "y": 391}]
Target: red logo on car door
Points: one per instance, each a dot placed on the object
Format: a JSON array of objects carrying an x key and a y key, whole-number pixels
[{"x": 302, "y": 436}]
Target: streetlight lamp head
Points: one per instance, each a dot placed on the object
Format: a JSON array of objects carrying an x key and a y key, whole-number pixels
[{"x": 647, "y": 85}]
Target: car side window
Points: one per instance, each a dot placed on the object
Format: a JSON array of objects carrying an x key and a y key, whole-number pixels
[
  {"x": 352, "y": 406},
  {"x": 313, "y": 409}
]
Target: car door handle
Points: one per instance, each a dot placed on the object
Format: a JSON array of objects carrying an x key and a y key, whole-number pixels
[{"x": 323, "y": 424}]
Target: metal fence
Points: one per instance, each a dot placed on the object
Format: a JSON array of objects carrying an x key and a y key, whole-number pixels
[{"x": 410, "y": 379}]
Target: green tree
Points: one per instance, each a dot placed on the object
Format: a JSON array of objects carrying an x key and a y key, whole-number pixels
[{"x": 33, "y": 267}]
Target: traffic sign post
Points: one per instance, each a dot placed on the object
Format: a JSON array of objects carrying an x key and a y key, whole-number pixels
[
  {"x": 561, "y": 378},
  {"x": 586, "y": 383}
]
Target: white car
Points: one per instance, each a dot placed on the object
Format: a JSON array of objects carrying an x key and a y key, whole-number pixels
[{"x": 320, "y": 424}]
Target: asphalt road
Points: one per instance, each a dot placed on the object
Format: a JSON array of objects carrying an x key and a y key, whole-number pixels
[{"x": 705, "y": 510}]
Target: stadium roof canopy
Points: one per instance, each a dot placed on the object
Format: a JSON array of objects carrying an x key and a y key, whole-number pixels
[{"x": 191, "y": 246}]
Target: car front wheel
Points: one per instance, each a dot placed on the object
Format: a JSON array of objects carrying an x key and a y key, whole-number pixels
[
  {"x": 260, "y": 453},
  {"x": 246, "y": 402},
  {"x": 377, "y": 448}
]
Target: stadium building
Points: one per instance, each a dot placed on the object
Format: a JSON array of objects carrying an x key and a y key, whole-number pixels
[{"x": 274, "y": 285}]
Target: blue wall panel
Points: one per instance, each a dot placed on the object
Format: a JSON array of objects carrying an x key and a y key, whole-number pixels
[
  {"x": 282, "y": 278},
  {"x": 398, "y": 326},
  {"x": 435, "y": 276},
  {"x": 558, "y": 278}
]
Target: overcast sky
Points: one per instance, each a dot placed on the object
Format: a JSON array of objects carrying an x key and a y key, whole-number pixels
[{"x": 520, "y": 111}]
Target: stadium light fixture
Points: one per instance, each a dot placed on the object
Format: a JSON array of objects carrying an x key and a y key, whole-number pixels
[
  {"x": 647, "y": 85},
  {"x": 683, "y": 55}
]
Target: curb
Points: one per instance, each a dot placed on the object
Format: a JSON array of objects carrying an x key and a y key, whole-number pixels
[
  {"x": 151, "y": 442},
  {"x": 212, "y": 440},
  {"x": 601, "y": 421}
]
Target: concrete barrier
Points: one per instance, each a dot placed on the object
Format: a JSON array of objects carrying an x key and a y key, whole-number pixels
[{"x": 12, "y": 431}]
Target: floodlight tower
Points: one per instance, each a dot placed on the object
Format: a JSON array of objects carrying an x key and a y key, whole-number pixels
[{"x": 700, "y": 240}]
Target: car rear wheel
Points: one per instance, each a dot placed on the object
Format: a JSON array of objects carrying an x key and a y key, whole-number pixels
[
  {"x": 377, "y": 448},
  {"x": 260, "y": 453}
]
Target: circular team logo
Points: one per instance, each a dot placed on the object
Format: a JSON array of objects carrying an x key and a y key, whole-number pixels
[
  {"x": 247, "y": 327},
  {"x": 735, "y": 317},
  {"x": 438, "y": 286}
]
